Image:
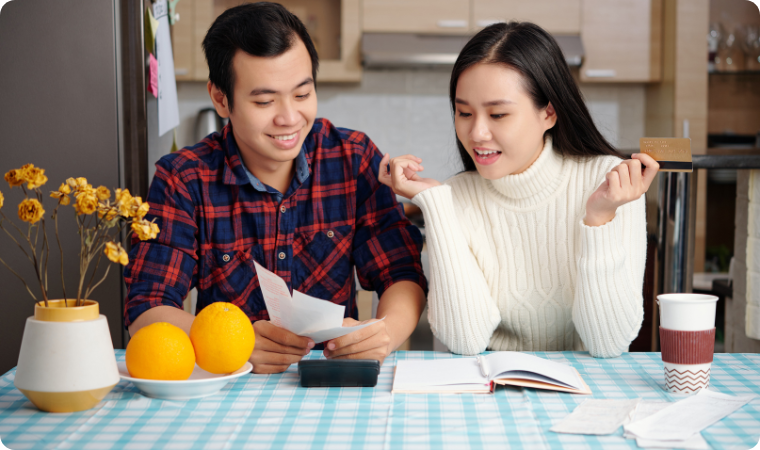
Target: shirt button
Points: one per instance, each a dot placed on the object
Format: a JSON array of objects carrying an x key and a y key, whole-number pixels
[
  {"x": 330, "y": 234},
  {"x": 282, "y": 255},
  {"x": 226, "y": 258},
  {"x": 282, "y": 209}
]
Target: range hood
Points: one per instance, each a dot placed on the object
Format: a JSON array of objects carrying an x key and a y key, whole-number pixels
[{"x": 403, "y": 50}]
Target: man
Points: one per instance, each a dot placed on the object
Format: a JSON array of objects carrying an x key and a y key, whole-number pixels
[{"x": 280, "y": 187}]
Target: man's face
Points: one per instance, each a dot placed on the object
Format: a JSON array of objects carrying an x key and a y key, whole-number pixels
[{"x": 274, "y": 109}]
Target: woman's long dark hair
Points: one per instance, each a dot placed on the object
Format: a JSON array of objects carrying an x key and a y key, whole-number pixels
[{"x": 531, "y": 51}]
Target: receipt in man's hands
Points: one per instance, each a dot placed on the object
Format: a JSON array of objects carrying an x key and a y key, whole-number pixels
[
  {"x": 301, "y": 314},
  {"x": 597, "y": 416},
  {"x": 685, "y": 418}
]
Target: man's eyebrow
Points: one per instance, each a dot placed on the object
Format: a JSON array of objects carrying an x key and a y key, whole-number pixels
[{"x": 261, "y": 91}]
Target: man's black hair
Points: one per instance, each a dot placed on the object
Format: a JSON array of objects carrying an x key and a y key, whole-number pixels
[{"x": 260, "y": 29}]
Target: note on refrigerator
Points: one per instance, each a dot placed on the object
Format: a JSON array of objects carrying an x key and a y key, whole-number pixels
[
  {"x": 153, "y": 76},
  {"x": 301, "y": 314},
  {"x": 168, "y": 108}
]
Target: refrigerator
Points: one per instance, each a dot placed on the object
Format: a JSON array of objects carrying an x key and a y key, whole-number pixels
[{"x": 72, "y": 101}]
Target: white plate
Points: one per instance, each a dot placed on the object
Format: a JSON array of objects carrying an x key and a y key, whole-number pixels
[{"x": 200, "y": 383}]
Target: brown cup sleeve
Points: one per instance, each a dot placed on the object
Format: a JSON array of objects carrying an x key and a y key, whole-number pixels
[{"x": 687, "y": 347}]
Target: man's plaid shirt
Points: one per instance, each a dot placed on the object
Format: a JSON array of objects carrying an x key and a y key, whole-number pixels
[{"x": 214, "y": 222}]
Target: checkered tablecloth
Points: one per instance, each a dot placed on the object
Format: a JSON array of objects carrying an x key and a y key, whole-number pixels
[{"x": 273, "y": 411}]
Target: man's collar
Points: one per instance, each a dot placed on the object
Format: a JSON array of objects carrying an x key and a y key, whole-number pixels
[{"x": 236, "y": 173}]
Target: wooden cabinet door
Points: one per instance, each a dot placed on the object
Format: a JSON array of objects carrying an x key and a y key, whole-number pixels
[
  {"x": 416, "y": 16},
  {"x": 338, "y": 20},
  {"x": 555, "y": 16},
  {"x": 622, "y": 40}
]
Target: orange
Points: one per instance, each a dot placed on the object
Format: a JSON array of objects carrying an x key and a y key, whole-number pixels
[
  {"x": 223, "y": 338},
  {"x": 160, "y": 351}
]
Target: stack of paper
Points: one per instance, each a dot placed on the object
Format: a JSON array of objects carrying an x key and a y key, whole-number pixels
[
  {"x": 679, "y": 424},
  {"x": 654, "y": 424},
  {"x": 301, "y": 314}
]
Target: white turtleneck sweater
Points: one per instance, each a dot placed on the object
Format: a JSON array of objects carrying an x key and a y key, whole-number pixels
[{"x": 513, "y": 266}]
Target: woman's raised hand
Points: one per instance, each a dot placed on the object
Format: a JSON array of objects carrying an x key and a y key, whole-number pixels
[
  {"x": 402, "y": 176},
  {"x": 625, "y": 183}
]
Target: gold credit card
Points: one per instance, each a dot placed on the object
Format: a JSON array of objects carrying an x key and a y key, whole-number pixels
[{"x": 673, "y": 154}]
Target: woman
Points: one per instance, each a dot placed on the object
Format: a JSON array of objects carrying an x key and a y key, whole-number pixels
[{"x": 540, "y": 244}]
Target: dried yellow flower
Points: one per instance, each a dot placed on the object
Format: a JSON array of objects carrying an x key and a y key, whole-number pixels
[
  {"x": 145, "y": 230},
  {"x": 30, "y": 210},
  {"x": 105, "y": 209},
  {"x": 102, "y": 193},
  {"x": 87, "y": 203},
  {"x": 34, "y": 176},
  {"x": 116, "y": 253},
  {"x": 15, "y": 177},
  {"x": 79, "y": 184},
  {"x": 124, "y": 202},
  {"x": 61, "y": 194},
  {"x": 138, "y": 209},
  {"x": 2, "y": 199}
]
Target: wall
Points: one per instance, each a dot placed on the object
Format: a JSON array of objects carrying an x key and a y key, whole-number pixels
[
  {"x": 746, "y": 270},
  {"x": 407, "y": 111}
]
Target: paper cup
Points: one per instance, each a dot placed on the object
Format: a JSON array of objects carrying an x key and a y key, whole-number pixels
[{"x": 687, "y": 340}]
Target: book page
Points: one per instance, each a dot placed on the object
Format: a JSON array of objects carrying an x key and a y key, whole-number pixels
[
  {"x": 507, "y": 364},
  {"x": 456, "y": 373}
]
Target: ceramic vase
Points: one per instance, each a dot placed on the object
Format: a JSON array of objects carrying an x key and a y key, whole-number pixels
[{"x": 67, "y": 362}]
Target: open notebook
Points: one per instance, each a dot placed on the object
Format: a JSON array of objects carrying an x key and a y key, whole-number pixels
[{"x": 479, "y": 375}]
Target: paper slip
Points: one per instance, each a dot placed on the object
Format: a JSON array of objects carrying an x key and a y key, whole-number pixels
[
  {"x": 683, "y": 419},
  {"x": 301, "y": 314},
  {"x": 646, "y": 409},
  {"x": 597, "y": 416}
]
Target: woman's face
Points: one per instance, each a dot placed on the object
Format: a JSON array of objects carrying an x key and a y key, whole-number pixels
[{"x": 497, "y": 122}]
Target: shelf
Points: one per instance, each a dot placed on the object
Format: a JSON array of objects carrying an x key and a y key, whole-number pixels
[{"x": 735, "y": 72}]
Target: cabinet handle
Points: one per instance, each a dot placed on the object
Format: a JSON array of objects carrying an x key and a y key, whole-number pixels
[
  {"x": 488, "y": 22},
  {"x": 452, "y": 24},
  {"x": 600, "y": 73}
]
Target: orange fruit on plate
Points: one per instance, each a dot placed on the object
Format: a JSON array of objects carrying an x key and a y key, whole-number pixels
[
  {"x": 222, "y": 337},
  {"x": 160, "y": 351}
]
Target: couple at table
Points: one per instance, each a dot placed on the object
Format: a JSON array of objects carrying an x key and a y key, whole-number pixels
[{"x": 539, "y": 244}]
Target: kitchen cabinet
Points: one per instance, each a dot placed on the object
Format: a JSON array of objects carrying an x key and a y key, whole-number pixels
[
  {"x": 416, "y": 16},
  {"x": 555, "y": 16},
  {"x": 334, "y": 26},
  {"x": 622, "y": 40}
]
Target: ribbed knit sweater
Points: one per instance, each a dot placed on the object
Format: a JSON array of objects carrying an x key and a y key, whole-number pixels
[{"x": 513, "y": 266}]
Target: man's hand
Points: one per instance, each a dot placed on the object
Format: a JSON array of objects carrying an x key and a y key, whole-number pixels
[
  {"x": 277, "y": 348},
  {"x": 372, "y": 342}
]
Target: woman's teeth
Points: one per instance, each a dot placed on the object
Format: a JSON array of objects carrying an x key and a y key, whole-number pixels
[
  {"x": 486, "y": 153},
  {"x": 285, "y": 137}
]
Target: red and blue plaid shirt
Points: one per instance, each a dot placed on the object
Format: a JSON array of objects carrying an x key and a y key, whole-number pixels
[{"x": 216, "y": 218}]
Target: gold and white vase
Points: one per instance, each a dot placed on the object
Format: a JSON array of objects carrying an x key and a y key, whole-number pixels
[{"x": 67, "y": 361}]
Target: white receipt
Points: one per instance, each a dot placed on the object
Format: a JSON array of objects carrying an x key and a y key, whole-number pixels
[
  {"x": 301, "y": 314},
  {"x": 683, "y": 419},
  {"x": 597, "y": 416},
  {"x": 646, "y": 409}
]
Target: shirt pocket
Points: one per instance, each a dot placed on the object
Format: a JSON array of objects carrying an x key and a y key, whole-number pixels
[
  {"x": 230, "y": 278},
  {"x": 323, "y": 263}
]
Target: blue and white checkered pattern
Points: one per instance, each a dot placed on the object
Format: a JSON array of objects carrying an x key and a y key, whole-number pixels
[{"x": 273, "y": 411}]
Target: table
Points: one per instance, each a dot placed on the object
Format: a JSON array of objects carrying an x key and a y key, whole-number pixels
[{"x": 273, "y": 411}]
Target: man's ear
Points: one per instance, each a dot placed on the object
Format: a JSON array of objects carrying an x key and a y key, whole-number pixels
[
  {"x": 219, "y": 100},
  {"x": 549, "y": 116}
]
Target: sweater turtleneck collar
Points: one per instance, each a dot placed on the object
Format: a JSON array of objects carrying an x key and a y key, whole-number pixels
[{"x": 537, "y": 182}]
